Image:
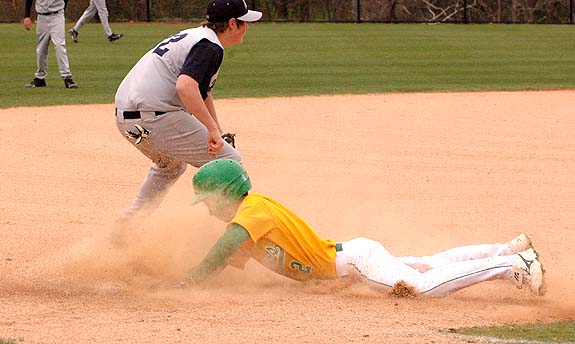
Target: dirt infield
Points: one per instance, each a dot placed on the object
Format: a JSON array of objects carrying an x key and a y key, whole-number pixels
[{"x": 419, "y": 172}]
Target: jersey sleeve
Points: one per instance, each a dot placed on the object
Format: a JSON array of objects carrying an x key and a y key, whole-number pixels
[
  {"x": 27, "y": 8},
  {"x": 223, "y": 249},
  {"x": 239, "y": 258},
  {"x": 255, "y": 218},
  {"x": 202, "y": 64}
]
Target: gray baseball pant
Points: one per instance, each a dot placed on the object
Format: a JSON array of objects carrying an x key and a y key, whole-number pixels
[
  {"x": 51, "y": 27},
  {"x": 96, "y": 6},
  {"x": 176, "y": 139}
]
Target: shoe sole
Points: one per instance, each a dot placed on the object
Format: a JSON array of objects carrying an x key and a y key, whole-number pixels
[
  {"x": 116, "y": 38},
  {"x": 523, "y": 244},
  {"x": 537, "y": 272},
  {"x": 70, "y": 85},
  {"x": 532, "y": 266}
]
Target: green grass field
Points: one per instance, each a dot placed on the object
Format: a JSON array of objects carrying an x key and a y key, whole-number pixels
[
  {"x": 285, "y": 59},
  {"x": 558, "y": 332}
]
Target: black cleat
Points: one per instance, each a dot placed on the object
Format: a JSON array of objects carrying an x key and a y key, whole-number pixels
[
  {"x": 115, "y": 37},
  {"x": 74, "y": 35},
  {"x": 69, "y": 83},
  {"x": 36, "y": 83}
]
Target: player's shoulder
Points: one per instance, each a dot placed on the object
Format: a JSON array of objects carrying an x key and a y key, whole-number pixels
[
  {"x": 208, "y": 49},
  {"x": 255, "y": 197},
  {"x": 258, "y": 200},
  {"x": 206, "y": 44},
  {"x": 203, "y": 36},
  {"x": 252, "y": 199}
]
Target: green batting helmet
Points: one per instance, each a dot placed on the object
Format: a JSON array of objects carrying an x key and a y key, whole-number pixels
[{"x": 223, "y": 176}]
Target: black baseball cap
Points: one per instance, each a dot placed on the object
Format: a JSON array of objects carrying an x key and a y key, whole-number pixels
[{"x": 224, "y": 10}]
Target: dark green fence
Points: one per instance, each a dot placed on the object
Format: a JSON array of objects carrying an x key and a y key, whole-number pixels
[{"x": 386, "y": 11}]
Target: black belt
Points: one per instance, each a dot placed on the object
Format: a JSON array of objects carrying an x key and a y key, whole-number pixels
[
  {"x": 338, "y": 247},
  {"x": 137, "y": 115},
  {"x": 48, "y": 13}
]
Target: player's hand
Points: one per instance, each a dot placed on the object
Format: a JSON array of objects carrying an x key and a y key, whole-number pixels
[
  {"x": 215, "y": 143},
  {"x": 27, "y": 23}
]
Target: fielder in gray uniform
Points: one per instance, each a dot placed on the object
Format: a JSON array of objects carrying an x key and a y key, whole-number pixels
[
  {"x": 96, "y": 6},
  {"x": 50, "y": 26},
  {"x": 164, "y": 106}
]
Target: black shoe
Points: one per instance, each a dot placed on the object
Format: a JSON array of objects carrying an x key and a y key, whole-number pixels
[
  {"x": 115, "y": 37},
  {"x": 36, "y": 83},
  {"x": 74, "y": 35},
  {"x": 69, "y": 83}
]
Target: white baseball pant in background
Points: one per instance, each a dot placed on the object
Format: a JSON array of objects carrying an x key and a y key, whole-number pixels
[
  {"x": 96, "y": 6},
  {"x": 51, "y": 28}
]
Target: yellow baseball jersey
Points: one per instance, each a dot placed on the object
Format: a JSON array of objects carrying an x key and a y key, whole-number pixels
[{"x": 282, "y": 241}]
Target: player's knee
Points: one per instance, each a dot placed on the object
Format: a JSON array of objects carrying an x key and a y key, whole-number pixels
[
  {"x": 172, "y": 169},
  {"x": 180, "y": 169}
]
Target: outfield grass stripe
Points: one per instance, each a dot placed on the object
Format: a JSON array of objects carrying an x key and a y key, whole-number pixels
[{"x": 288, "y": 59}]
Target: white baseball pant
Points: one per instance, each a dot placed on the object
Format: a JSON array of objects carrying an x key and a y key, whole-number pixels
[{"x": 438, "y": 275}]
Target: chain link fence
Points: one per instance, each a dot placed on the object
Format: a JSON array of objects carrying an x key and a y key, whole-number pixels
[{"x": 384, "y": 11}]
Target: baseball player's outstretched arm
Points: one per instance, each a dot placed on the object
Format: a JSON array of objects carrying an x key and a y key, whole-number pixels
[
  {"x": 189, "y": 93},
  {"x": 226, "y": 245}
]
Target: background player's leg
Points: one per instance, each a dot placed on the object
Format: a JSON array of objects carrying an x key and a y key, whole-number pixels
[
  {"x": 43, "y": 41},
  {"x": 103, "y": 15},
  {"x": 57, "y": 33},
  {"x": 86, "y": 16}
]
